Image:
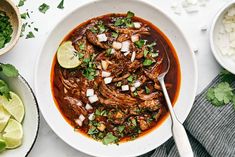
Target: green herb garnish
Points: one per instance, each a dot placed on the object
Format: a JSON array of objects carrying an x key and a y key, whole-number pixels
[
  {"x": 82, "y": 46},
  {"x": 5, "y": 29},
  {"x": 101, "y": 27},
  {"x": 146, "y": 53},
  {"x": 36, "y": 29},
  {"x": 127, "y": 21},
  {"x": 147, "y": 62},
  {"x": 92, "y": 130},
  {"x": 221, "y": 94},
  {"x": 140, "y": 43},
  {"x": 43, "y": 8},
  {"x": 30, "y": 35},
  {"x": 130, "y": 78},
  {"x": 114, "y": 34},
  {"x": 109, "y": 138},
  {"x": 23, "y": 29},
  {"x": 121, "y": 128},
  {"x": 130, "y": 14},
  {"x": 147, "y": 90},
  {"x": 25, "y": 15},
  {"x": 61, "y": 5},
  {"x": 21, "y": 3}
]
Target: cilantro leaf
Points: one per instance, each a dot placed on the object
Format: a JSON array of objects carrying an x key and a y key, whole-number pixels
[
  {"x": 9, "y": 70},
  {"x": 109, "y": 138},
  {"x": 223, "y": 92},
  {"x": 147, "y": 62},
  {"x": 43, "y": 8},
  {"x": 4, "y": 89},
  {"x": 30, "y": 35},
  {"x": 130, "y": 14},
  {"x": 61, "y": 5},
  {"x": 21, "y": 3},
  {"x": 140, "y": 43}
]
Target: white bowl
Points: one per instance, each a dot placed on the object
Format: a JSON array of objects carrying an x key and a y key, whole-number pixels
[
  {"x": 31, "y": 119},
  {"x": 225, "y": 61},
  {"x": 53, "y": 116}
]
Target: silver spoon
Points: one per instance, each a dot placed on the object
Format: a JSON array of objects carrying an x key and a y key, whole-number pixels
[{"x": 178, "y": 130}]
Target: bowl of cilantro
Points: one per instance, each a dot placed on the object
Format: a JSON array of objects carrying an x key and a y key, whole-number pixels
[{"x": 10, "y": 25}]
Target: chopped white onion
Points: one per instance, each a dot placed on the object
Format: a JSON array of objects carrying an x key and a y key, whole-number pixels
[
  {"x": 88, "y": 107},
  {"x": 104, "y": 64},
  {"x": 79, "y": 103},
  {"x": 133, "y": 56},
  {"x": 90, "y": 92},
  {"x": 91, "y": 116},
  {"x": 105, "y": 74},
  {"x": 135, "y": 38},
  {"x": 112, "y": 51},
  {"x": 133, "y": 89},
  {"x": 117, "y": 45},
  {"x": 125, "y": 87},
  {"x": 78, "y": 121},
  {"x": 137, "y": 84},
  {"x": 102, "y": 37},
  {"x": 108, "y": 80},
  {"x": 137, "y": 24},
  {"x": 93, "y": 98},
  {"x": 81, "y": 118},
  {"x": 125, "y": 46},
  {"x": 126, "y": 53}
]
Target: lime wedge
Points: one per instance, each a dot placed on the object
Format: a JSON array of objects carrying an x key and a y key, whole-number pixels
[
  {"x": 4, "y": 117},
  {"x": 67, "y": 56},
  {"x": 13, "y": 134},
  {"x": 2, "y": 145},
  {"x": 14, "y": 106}
]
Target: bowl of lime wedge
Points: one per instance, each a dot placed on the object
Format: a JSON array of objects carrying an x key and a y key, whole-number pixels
[{"x": 19, "y": 114}]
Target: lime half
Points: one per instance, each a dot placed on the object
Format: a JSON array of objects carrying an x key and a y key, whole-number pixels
[
  {"x": 4, "y": 117},
  {"x": 2, "y": 145},
  {"x": 67, "y": 56},
  {"x": 13, "y": 134},
  {"x": 14, "y": 106}
]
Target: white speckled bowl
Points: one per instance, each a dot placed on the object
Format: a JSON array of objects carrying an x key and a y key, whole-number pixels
[
  {"x": 31, "y": 120},
  {"x": 91, "y": 9},
  {"x": 225, "y": 61},
  {"x": 13, "y": 12}
]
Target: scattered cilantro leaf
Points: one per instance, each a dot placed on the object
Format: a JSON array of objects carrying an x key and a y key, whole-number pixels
[
  {"x": 109, "y": 138},
  {"x": 147, "y": 90},
  {"x": 130, "y": 78},
  {"x": 140, "y": 43},
  {"x": 24, "y": 15},
  {"x": 61, "y": 5},
  {"x": 4, "y": 89},
  {"x": 146, "y": 53},
  {"x": 114, "y": 34},
  {"x": 43, "y": 8},
  {"x": 130, "y": 14},
  {"x": 121, "y": 128},
  {"x": 36, "y": 29},
  {"x": 21, "y": 3},
  {"x": 226, "y": 76},
  {"x": 9, "y": 70},
  {"x": 92, "y": 131},
  {"x": 82, "y": 46},
  {"x": 30, "y": 35},
  {"x": 147, "y": 62}
]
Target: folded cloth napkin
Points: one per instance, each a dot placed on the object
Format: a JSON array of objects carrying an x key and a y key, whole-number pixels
[{"x": 211, "y": 130}]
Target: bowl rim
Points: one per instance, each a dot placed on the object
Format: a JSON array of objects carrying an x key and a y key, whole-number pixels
[
  {"x": 212, "y": 34},
  {"x": 20, "y": 77},
  {"x": 18, "y": 32},
  {"x": 151, "y": 4}
]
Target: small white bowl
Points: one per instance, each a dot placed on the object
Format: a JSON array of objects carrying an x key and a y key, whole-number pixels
[
  {"x": 13, "y": 13},
  {"x": 31, "y": 120},
  {"x": 225, "y": 61}
]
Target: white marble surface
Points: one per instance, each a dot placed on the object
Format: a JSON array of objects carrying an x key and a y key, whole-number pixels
[{"x": 24, "y": 55}]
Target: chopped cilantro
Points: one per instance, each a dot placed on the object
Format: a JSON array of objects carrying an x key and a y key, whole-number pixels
[
  {"x": 92, "y": 130},
  {"x": 114, "y": 34},
  {"x": 130, "y": 78},
  {"x": 101, "y": 27},
  {"x": 30, "y": 35},
  {"x": 23, "y": 29},
  {"x": 25, "y": 15},
  {"x": 82, "y": 46},
  {"x": 43, "y": 8},
  {"x": 9, "y": 70},
  {"x": 147, "y": 90},
  {"x": 140, "y": 43},
  {"x": 135, "y": 93},
  {"x": 21, "y": 3},
  {"x": 5, "y": 29},
  {"x": 61, "y": 5},
  {"x": 146, "y": 53},
  {"x": 121, "y": 128},
  {"x": 147, "y": 62},
  {"x": 109, "y": 138},
  {"x": 36, "y": 29},
  {"x": 221, "y": 94},
  {"x": 109, "y": 51},
  {"x": 130, "y": 14}
]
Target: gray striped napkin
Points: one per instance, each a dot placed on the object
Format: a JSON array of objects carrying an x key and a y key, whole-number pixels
[{"x": 211, "y": 130}]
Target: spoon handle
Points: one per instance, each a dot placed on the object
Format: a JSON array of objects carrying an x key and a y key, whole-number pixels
[{"x": 178, "y": 130}]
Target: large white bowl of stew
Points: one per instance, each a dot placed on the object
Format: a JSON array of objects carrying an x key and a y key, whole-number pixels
[{"x": 96, "y": 77}]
